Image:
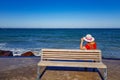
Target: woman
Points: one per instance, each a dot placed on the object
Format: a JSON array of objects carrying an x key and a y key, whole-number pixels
[{"x": 90, "y": 45}]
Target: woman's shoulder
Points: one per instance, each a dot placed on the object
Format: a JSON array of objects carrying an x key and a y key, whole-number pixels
[{"x": 92, "y": 42}]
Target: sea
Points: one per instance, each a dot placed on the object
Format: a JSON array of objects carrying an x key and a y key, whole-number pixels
[{"x": 20, "y": 40}]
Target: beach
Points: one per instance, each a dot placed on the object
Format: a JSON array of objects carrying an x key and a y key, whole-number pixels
[{"x": 25, "y": 68}]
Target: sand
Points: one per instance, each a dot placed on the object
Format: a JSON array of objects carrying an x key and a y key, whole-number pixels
[{"x": 26, "y": 69}]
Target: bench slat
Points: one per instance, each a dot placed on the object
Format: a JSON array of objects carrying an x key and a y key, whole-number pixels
[
  {"x": 69, "y": 50},
  {"x": 58, "y": 55},
  {"x": 70, "y": 59},
  {"x": 61, "y": 53},
  {"x": 81, "y": 57},
  {"x": 72, "y": 64}
]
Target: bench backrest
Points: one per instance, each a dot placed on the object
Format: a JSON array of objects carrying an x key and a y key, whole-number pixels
[{"x": 69, "y": 54}]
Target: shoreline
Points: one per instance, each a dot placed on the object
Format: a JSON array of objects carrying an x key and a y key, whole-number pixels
[{"x": 39, "y": 56}]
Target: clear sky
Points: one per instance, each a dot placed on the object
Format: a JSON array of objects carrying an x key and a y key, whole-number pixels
[{"x": 59, "y": 13}]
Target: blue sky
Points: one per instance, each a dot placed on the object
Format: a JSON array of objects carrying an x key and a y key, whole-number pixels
[{"x": 59, "y": 13}]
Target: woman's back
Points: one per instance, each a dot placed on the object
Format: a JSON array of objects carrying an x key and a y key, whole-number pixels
[{"x": 91, "y": 45}]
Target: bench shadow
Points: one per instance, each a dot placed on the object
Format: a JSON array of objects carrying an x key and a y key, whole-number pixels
[{"x": 71, "y": 69}]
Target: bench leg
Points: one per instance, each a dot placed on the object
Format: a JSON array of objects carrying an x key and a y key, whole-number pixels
[
  {"x": 38, "y": 73},
  {"x": 105, "y": 74}
]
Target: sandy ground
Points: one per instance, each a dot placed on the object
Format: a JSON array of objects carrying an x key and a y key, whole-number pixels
[{"x": 26, "y": 69}]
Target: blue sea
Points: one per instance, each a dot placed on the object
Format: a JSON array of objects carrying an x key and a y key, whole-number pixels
[{"x": 34, "y": 39}]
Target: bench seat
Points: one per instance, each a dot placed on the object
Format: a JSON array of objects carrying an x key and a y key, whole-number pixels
[{"x": 72, "y": 64}]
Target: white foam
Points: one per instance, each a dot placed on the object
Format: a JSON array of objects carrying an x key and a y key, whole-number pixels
[
  {"x": 2, "y": 45},
  {"x": 36, "y": 53},
  {"x": 20, "y": 51}
]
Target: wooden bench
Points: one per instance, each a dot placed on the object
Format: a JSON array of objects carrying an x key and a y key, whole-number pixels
[{"x": 72, "y": 58}]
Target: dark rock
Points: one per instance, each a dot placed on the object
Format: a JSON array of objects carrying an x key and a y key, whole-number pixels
[
  {"x": 6, "y": 53},
  {"x": 29, "y": 53}
]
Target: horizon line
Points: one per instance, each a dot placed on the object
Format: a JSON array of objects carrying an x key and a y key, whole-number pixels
[{"x": 61, "y": 28}]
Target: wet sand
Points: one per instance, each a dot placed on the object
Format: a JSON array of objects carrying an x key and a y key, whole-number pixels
[{"x": 26, "y": 69}]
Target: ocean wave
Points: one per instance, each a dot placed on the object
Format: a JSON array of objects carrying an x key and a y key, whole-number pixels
[{"x": 3, "y": 44}]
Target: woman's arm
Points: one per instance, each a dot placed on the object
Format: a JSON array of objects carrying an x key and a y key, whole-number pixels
[{"x": 81, "y": 44}]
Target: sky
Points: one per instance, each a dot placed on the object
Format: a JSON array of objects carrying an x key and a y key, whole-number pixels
[{"x": 59, "y": 13}]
